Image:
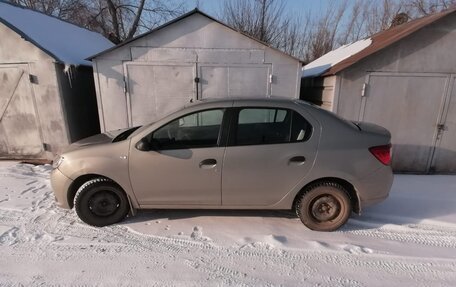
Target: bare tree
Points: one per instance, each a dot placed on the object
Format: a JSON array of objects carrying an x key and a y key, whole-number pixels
[
  {"x": 262, "y": 19},
  {"x": 326, "y": 30},
  {"x": 305, "y": 35},
  {"x": 119, "y": 20},
  {"x": 64, "y": 9},
  {"x": 419, "y": 8}
]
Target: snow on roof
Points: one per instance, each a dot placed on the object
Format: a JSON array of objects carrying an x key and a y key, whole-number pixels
[
  {"x": 65, "y": 42},
  {"x": 325, "y": 62}
]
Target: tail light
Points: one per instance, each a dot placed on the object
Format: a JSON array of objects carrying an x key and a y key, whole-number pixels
[{"x": 382, "y": 153}]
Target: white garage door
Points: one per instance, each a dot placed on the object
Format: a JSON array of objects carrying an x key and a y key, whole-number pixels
[
  {"x": 156, "y": 90},
  {"x": 234, "y": 81},
  {"x": 410, "y": 106},
  {"x": 19, "y": 129},
  {"x": 445, "y": 153}
]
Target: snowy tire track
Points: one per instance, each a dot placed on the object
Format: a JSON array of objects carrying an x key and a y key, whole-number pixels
[{"x": 52, "y": 246}]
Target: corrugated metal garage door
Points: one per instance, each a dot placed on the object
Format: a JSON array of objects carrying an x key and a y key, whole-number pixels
[
  {"x": 411, "y": 107},
  {"x": 19, "y": 130}
]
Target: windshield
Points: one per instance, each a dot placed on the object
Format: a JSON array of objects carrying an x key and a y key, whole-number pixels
[
  {"x": 125, "y": 134},
  {"x": 139, "y": 130}
]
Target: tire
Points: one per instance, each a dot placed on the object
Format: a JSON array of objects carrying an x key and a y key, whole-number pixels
[
  {"x": 100, "y": 202},
  {"x": 324, "y": 206}
]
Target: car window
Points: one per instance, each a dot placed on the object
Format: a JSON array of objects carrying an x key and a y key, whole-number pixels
[
  {"x": 257, "y": 126},
  {"x": 199, "y": 129},
  {"x": 251, "y": 116}
]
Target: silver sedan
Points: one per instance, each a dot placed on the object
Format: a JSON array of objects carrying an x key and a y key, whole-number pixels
[{"x": 230, "y": 154}]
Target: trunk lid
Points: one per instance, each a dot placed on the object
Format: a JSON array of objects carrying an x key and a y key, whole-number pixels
[{"x": 374, "y": 129}]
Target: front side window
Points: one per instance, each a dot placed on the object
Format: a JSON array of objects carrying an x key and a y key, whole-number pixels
[
  {"x": 196, "y": 130},
  {"x": 256, "y": 126}
]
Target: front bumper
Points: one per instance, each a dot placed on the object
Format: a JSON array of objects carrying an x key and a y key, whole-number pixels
[{"x": 60, "y": 184}]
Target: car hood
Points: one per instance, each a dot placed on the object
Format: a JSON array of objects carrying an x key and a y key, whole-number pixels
[{"x": 103, "y": 138}]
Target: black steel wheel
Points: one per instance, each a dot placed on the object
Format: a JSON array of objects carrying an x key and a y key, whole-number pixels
[
  {"x": 324, "y": 206},
  {"x": 101, "y": 202}
]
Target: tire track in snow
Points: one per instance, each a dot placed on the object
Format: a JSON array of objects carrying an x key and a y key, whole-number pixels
[
  {"x": 427, "y": 235},
  {"x": 58, "y": 235}
]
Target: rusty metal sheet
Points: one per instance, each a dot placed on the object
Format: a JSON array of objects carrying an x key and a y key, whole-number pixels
[{"x": 386, "y": 38}]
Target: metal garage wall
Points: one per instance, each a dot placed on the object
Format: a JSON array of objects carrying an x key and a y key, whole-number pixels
[
  {"x": 411, "y": 106},
  {"x": 19, "y": 128},
  {"x": 43, "y": 125},
  {"x": 225, "y": 63}
]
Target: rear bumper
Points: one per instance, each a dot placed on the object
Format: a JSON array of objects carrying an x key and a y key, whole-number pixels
[
  {"x": 375, "y": 188},
  {"x": 60, "y": 184}
]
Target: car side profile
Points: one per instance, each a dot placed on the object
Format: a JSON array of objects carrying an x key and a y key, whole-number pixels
[{"x": 271, "y": 154}]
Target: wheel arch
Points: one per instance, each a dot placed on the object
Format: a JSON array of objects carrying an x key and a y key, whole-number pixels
[
  {"x": 79, "y": 181},
  {"x": 352, "y": 194}
]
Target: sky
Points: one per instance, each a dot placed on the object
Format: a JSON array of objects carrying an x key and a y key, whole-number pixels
[{"x": 298, "y": 6}]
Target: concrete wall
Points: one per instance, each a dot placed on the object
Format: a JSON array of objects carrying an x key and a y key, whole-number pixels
[
  {"x": 45, "y": 89},
  {"x": 188, "y": 37}
]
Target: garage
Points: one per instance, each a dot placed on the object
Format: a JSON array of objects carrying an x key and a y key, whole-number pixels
[
  {"x": 194, "y": 57},
  {"x": 403, "y": 79},
  {"x": 47, "y": 92}
]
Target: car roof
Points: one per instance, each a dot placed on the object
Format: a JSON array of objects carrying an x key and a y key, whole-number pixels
[{"x": 247, "y": 100}]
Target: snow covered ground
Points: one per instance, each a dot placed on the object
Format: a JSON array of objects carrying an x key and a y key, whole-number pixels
[{"x": 409, "y": 240}]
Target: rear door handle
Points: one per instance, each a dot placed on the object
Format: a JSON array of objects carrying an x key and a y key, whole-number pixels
[
  {"x": 297, "y": 160},
  {"x": 208, "y": 163}
]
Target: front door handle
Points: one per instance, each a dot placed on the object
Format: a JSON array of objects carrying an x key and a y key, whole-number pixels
[
  {"x": 297, "y": 160},
  {"x": 208, "y": 163}
]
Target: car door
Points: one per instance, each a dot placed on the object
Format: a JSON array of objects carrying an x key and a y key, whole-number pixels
[
  {"x": 270, "y": 150},
  {"x": 184, "y": 163}
]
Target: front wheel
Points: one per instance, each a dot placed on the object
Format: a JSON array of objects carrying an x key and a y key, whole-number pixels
[
  {"x": 101, "y": 202},
  {"x": 324, "y": 206}
]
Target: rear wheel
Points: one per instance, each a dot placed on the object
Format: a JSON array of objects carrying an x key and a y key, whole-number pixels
[
  {"x": 101, "y": 202},
  {"x": 324, "y": 206}
]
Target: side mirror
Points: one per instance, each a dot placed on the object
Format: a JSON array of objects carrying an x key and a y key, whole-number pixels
[{"x": 143, "y": 145}]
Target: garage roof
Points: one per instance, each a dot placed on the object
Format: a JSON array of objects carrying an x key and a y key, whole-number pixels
[
  {"x": 188, "y": 14},
  {"x": 359, "y": 50},
  {"x": 65, "y": 42}
]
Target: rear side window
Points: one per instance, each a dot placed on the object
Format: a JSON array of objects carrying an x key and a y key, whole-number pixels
[{"x": 257, "y": 126}]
